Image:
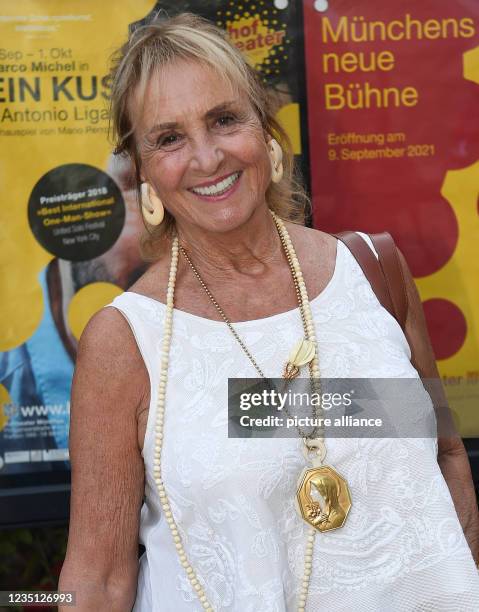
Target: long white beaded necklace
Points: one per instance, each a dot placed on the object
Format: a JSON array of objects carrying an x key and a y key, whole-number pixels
[{"x": 323, "y": 479}]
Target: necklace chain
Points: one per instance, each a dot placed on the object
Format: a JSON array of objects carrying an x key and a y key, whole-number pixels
[
  {"x": 223, "y": 316},
  {"x": 160, "y": 417},
  {"x": 314, "y": 382}
]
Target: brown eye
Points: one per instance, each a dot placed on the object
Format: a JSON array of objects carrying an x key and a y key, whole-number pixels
[
  {"x": 168, "y": 140},
  {"x": 226, "y": 120}
]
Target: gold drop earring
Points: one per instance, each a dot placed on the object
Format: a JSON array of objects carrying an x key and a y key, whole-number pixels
[
  {"x": 151, "y": 206},
  {"x": 276, "y": 154}
]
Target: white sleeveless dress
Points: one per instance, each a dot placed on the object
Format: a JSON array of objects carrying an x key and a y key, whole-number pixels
[{"x": 402, "y": 548}]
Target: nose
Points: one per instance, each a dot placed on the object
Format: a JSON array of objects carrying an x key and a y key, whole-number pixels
[{"x": 206, "y": 154}]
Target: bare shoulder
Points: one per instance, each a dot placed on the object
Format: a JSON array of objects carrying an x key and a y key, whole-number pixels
[
  {"x": 313, "y": 244},
  {"x": 108, "y": 333},
  {"x": 310, "y": 236},
  {"x": 108, "y": 355},
  {"x": 316, "y": 251}
]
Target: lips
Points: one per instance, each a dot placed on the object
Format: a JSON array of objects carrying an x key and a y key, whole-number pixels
[{"x": 217, "y": 187}]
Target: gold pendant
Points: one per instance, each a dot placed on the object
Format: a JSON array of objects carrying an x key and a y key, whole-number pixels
[
  {"x": 302, "y": 353},
  {"x": 323, "y": 499}
]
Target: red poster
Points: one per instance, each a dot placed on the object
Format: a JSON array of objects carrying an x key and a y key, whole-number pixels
[{"x": 393, "y": 112}]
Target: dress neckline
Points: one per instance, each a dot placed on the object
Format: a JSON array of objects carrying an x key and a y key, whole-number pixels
[{"x": 265, "y": 320}]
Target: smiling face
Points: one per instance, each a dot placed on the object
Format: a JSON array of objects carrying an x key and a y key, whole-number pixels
[{"x": 202, "y": 148}]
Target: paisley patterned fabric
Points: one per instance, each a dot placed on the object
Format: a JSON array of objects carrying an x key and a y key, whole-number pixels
[{"x": 402, "y": 548}]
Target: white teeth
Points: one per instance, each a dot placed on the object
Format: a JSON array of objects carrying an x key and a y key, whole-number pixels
[{"x": 219, "y": 187}]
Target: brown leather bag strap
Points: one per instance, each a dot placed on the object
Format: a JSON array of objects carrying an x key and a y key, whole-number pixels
[
  {"x": 384, "y": 274},
  {"x": 393, "y": 273}
]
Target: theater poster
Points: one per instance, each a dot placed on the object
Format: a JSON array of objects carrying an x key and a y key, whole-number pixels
[
  {"x": 393, "y": 111},
  {"x": 70, "y": 223}
]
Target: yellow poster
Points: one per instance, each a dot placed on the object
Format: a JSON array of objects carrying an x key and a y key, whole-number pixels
[
  {"x": 70, "y": 221},
  {"x": 71, "y": 225}
]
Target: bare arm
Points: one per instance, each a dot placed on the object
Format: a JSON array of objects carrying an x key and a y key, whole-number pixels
[
  {"x": 109, "y": 386},
  {"x": 452, "y": 456}
]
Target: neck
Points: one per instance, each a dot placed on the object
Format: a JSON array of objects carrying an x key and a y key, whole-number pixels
[{"x": 249, "y": 249}]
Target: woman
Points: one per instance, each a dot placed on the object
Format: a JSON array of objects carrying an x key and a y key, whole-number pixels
[
  {"x": 151, "y": 459},
  {"x": 330, "y": 513}
]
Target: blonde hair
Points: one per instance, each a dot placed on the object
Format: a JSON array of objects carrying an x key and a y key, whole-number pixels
[{"x": 191, "y": 37}]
